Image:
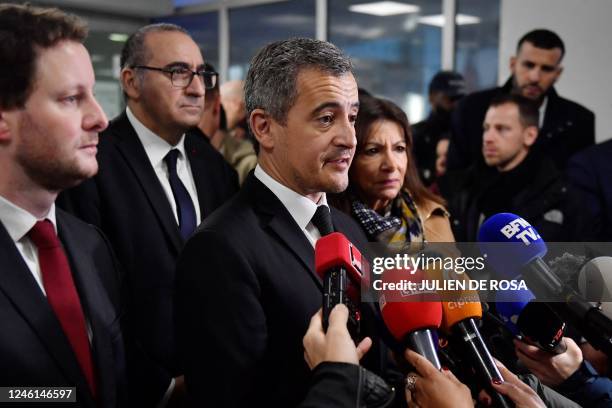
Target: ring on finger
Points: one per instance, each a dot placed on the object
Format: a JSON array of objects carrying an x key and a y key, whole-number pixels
[{"x": 411, "y": 380}]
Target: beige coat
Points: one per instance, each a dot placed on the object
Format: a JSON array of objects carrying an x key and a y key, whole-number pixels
[{"x": 436, "y": 223}]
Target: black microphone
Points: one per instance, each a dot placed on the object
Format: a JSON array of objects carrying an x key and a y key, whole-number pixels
[
  {"x": 542, "y": 327},
  {"x": 459, "y": 318}
]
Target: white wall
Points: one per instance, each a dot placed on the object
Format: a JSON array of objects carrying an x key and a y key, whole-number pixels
[{"x": 584, "y": 26}]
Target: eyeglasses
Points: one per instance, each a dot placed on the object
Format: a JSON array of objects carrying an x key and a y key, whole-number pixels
[{"x": 181, "y": 77}]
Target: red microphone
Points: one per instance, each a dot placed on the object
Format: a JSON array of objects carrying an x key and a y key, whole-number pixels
[
  {"x": 411, "y": 314},
  {"x": 342, "y": 269}
]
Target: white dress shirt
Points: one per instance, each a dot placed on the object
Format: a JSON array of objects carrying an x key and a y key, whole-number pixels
[
  {"x": 301, "y": 208},
  {"x": 18, "y": 222},
  {"x": 542, "y": 112},
  {"x": 156, "y": 149}
]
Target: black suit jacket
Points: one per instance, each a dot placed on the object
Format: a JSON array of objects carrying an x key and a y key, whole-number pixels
[
  {"x": 34, "y": 349},
  {"x": 246, "y": 290},
  {"x": 589, "y": 171},
  {"x": 126, "y": 200},
  {"x": 568, "y": 127}
]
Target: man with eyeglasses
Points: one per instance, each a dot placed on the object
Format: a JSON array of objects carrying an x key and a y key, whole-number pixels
[{"x": 157, "y": 181}]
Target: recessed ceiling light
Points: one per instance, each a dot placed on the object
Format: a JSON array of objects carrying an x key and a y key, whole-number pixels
[
  {"x": 438, "y": 20},
  {"x": 117, "y": 37},
  {"x": 384, "y": 8}
]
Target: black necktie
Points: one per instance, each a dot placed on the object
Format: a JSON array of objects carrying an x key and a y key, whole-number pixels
[
  {"x": 184, "y": 206},
  {"x": 322, "y": 220}
]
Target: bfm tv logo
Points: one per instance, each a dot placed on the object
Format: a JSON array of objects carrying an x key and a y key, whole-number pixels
[{"x": 520, "y": 229}]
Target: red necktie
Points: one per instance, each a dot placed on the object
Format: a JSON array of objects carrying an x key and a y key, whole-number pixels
[{"x": 62, "y": 294}]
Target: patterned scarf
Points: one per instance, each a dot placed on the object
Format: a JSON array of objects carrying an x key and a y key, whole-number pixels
[{"x": 401, "y": 224}]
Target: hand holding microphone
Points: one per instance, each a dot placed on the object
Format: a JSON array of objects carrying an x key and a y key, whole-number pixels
[
  {"x": 521, "y": 394},
  {"x": 459, "y": 319},
  {"x": 551, "y": 369},
  {"x": 430, "y": 387},
  {"x": 336, "y": 345},
  {"x": 340, "y": 266},
  {"x": 534, "y": 321}
]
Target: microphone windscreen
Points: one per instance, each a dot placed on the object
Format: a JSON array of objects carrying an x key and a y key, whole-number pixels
[
  {"x": 335, "y": 250},
  {"x": 595, "y": 279},
  {"x": 455, "y": 312},
  {"x": 405, "y": 311},
  {"x": 508, "y": 242}
]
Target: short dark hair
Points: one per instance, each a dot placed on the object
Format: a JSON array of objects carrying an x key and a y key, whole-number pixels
[
  {"x": 24, "y": 31},
  {"x": 271, "y": 80},
  {"x": 542, "y": 38},
  {"x": 529, "y": 114},
  {"x": 134, "y": 51}
]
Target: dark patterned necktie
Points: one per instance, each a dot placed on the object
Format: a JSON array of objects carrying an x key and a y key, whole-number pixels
[{"x": 184, "y": 206}]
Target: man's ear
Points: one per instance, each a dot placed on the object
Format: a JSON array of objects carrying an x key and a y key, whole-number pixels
[
  {"x": 130, "y": 83},
  {"x": 530, "y": 135},
  {"x": 5, "y": 129},
  {"x": 559, "y": 72},
  {"x": 512, "y": 64},
  {"x": 261, "y": 125}
]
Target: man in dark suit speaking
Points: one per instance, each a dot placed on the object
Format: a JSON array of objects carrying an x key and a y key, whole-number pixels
[
  {"x": 156, "y": 182},
  {"x": 59, "y": 283},
  {"x": 246, "y": 285}
]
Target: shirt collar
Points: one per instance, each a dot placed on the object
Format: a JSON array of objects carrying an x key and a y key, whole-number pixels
[
  {"x": 542, "y": 112},
  {"x": 18, "y": 222},
  {"x": 155, "y": 147},
  {"x": 300, "y": 207}
]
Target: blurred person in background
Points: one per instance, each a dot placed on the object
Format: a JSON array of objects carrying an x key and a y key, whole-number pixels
[
  {"x": 565, "y": 126},
  {"x": 445, "y": 90},
  {"x": 239, "y": 153},
  {"x": 232, "y": 99},
  {"x": 519, "y": 179},
  {"x": 589, "y": 172}
]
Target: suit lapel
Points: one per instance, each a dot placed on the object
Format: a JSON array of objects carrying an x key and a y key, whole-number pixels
[
  {"x": 282, "y": 224},
  {"x": 136, "y": 157},
  {"x": 18, "y": 284},
  {"x": 202, "y": 178},
  {"x": 97, "y": 308},
  {"x": 551, "y": 126}
]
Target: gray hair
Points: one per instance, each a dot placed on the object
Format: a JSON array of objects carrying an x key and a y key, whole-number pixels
[
  {"x": 135, "y": 52},
  {"x": 271, "y": 81}
]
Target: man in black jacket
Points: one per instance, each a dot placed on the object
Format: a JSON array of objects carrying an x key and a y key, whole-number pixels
[
  {"x": 246, "y": 284},
  {"x": 515, "y": 179},
  {"x": 565, "y": 126},
  {"x": 59, "y": 282},
  {"x": 445, "y": 90},
  {"x": 157, "y": 180},
  {"x": 589, "y": 171}
]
